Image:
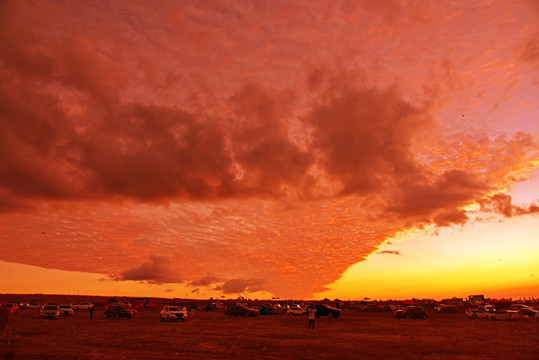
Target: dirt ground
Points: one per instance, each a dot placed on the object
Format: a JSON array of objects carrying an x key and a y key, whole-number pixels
[{"x": 212, "y": 335}]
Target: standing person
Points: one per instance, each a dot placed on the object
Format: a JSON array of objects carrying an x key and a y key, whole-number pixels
[
  {"x": 91, "y": 313},
  {"x": 311, "y": 311}
]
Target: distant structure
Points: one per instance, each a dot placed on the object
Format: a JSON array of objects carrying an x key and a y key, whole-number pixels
[
  {"x": 476, "y": 299},
  {"x": 453, "y": 301}
]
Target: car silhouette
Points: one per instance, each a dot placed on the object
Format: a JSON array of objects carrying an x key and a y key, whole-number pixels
[
  {"x": 476, "y": 314},
  {"x": 10, "y": 308},
  {"x": 326, "y": 310},
  {"x": 527, "y": 311},
  {"x": 65, "y": 310},
  {"x": 295, "y": 310},
  {"x": 84, "y": 306},
  {"x": 241, "y": 310},
  {"x": 118, "y": 311},
  {"x": 508, "y": 315},
  {"x": 412, "y": 312},
  {"x": 442, "y": 308}
]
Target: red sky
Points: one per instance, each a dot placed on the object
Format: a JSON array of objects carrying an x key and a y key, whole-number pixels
[{"x": 245, "y": 147}]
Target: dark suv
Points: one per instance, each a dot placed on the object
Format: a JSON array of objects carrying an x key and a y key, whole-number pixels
[
  {"x": 241, "y": 310},
  {"x": 118, "y": 311},
  {"x": 412, "y": 312},
  {"x": 326, "y": 310},
  {"x": 446, "y": 308}
]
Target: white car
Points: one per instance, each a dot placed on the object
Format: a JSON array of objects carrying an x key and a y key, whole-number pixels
[
  {"x": 509, "y": 315},
  {"x": 65, "y": 310},
  {"x": 50, "y": 312},
  {"x": 85, "y": 306},
  {"x": 476, "y": 314},
  {"x": 173, "y": 313},
  {"x": 295, "y": 310}
]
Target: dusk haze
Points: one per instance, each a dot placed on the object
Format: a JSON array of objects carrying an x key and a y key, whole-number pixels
[{"x": 270, "y": 149}]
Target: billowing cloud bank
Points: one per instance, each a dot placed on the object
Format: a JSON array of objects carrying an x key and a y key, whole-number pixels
[{"x": 245, "y": 149}]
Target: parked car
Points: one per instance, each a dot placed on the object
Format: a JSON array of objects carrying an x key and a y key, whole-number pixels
[
  {"x": 118, "y": 311},
  {"x": 326, "y": 310},
  {"x": 269, "y": 310},
  {"x": 528, "y": 311},
  {"x": 516, "y": 315},
  {"x": 74, "y": 305},
  {"x": 33, "y": 306},
  {"x": 241, "y": 310},
  {"x": 85, "y": 306},
  {"x": 173, "y": 313},
  {"x": 133, "y": 311},
  {"x": 489, "y": 308},
  {"x": 476, "y": 314},
  {"x": 295, "y": 310},
  {"x": 10, "y": 308},
  {"x": 517, "y": 306},
  {"x": 127, "y": 305},
  {"x": 65, "y": 310},
  {"x": 442, "y": 308},
  {"x": 50, "y": 312},
  {"x": 509, "y": 315},
  {"x": 412, "y": 312},
  {"x": 375, "y": 307},
  {"x": 498, "y": 315}
]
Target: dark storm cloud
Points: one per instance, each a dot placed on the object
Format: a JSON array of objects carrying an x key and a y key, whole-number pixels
[
  {"x": 365, "y": 134},
  {"x": 238, "y": 286},
  {"x": 425, "y": 196},
  {"x": 261, "y": 143},
  {"x": 158, "y": 270},
  {"x": 206, "y": 281}
]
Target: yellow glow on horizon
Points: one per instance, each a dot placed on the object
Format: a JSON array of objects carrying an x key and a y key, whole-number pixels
[{"x": 498, "y": 260}]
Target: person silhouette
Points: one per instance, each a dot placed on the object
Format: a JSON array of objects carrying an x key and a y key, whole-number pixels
[{"x": 311, "y": 314}]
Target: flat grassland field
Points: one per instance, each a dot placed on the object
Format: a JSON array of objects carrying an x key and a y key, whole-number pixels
[{"x": 212, "y": 335}]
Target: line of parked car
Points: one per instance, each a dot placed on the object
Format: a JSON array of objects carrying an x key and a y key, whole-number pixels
[
  {"x": 241, "y": 309},
  {"x": 48, "y": 310},
  {"x": 52, "y": 310},
  {"x": 515, "y": 312},
  {"x": 171, "y": 313}
]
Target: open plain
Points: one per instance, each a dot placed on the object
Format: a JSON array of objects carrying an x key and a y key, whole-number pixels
[{"x": 212, "y": 335}]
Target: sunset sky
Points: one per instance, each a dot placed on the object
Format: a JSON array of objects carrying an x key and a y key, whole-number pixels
[{"x": 305, "y": 149}]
